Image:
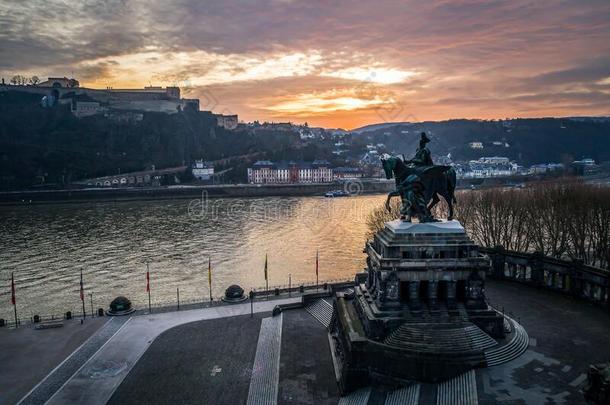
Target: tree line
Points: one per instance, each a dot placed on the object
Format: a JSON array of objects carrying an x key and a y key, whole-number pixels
[
  {"x": 567, "y": 219},
  {"x": 51, "y": 147}
]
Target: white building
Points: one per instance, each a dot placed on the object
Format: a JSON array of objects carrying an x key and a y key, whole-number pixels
[
  {"x": 545, "y": 168},
  {"x": 493, "y": 166},
  {"x": 203, "y": 170},
  {"x": 266, "y": 172},
  {"x": 227, "y": 121},
  {"x": 495, "y": 160}
]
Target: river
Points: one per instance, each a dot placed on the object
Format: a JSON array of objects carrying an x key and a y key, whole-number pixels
[{"x": 46, "y": 246}]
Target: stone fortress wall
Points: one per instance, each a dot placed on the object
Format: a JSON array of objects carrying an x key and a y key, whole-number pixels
[{"x": 152, "y": 99}]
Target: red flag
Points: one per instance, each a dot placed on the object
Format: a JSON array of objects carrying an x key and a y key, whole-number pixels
[
  {"x": 82, "y": 288},
  {"x": 147, "y": 280},
  {"x": 13, "y": 300}
]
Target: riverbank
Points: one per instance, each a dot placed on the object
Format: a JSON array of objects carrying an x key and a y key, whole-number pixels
[{"x": 366, "y": 186}]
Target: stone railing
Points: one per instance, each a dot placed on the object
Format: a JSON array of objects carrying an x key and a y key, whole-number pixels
[{"x": 570, "y": 277}]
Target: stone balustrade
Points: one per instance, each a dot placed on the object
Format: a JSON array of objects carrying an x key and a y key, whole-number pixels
[{"x": 570, "y": 277}]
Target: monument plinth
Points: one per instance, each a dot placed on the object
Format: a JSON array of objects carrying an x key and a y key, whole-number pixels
[{"x": 418, "y": 312}]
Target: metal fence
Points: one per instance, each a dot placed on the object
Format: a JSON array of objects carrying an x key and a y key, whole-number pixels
[{"x": 260, "y": 293}]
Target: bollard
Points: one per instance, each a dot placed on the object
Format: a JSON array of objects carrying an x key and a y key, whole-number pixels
[
  {"x": 69, "y": 315},
  {"x": 100, "y": 312},
  {"x": 251, "y": 304}
]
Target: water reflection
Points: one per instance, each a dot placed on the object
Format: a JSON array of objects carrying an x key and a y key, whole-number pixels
[{"x": 46, "y": 246}]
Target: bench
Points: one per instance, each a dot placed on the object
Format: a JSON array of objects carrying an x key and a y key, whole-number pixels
[{"x": 58, "y": 323}]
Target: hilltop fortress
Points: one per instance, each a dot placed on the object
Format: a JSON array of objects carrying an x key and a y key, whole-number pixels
[{"x": 86, "y": 101}]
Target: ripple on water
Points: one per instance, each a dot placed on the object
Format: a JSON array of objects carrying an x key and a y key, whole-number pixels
[{"x": 47, "y": 246}]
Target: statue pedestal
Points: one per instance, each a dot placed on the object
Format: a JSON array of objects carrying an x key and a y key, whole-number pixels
[{"x": 423, "y": 279}]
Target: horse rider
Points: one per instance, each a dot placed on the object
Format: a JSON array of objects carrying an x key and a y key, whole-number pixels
[
  {"x": 422, "y": 157},
  {"x": 412, "y": 187}
]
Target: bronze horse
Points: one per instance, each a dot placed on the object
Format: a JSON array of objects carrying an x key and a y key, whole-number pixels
[{"x": 437, "y": 180}]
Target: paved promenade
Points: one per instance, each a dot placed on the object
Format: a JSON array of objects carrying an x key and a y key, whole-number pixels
[
  {"x": 207, "y": 356},
  {"x": 28, "y": 355},
  {"x": 95, "y": 382}
]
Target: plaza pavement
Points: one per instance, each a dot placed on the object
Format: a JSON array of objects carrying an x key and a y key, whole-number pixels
[
  {"x": 206, "y": 356},
  {"x": 95, "y": 382},
  {"x": 28, "y": 355}
]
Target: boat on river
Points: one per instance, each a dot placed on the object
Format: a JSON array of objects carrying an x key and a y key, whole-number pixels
[{"x": 336, "y": 193}]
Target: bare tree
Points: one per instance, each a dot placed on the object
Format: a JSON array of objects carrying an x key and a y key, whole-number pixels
[{"x": 562, "y": 219}]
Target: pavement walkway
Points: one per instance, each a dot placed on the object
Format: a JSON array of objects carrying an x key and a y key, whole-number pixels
[{"x": 95, "y": 382}]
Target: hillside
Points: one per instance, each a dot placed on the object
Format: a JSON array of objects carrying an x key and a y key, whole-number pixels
[
  {"x": 528, "y": 141},
  {"x": 50, "y": 146}
]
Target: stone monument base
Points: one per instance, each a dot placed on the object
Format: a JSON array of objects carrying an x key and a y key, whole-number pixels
[{"x": 419, "y": 311}]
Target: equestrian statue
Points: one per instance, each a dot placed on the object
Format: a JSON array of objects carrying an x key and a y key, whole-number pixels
[{"x": 419, "y": 183}]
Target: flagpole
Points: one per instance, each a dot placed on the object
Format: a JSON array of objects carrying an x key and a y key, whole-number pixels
[
  {"x": 13, "y": 298},
  {"x": 82, "y": 293},
  {"x": 266, "y": 278},
  {"x": 148, "y": 286},
  {"x": 317, "y": 280},
  {"x": 210, "y": 276},
  {"x": 92, "y": 313}
]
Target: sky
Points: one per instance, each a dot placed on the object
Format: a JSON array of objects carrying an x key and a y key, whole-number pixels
[{"x": 328, "y": 63}]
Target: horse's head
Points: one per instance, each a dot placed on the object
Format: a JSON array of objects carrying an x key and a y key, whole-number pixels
[{"x": 388, "y": 163}]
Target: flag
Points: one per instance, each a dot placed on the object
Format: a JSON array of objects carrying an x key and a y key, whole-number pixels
[
  {"x": 147, "y": 279},
  {"x": 210, "y": 272},
  {"x": 265, "y": 266},
  {"x": 13, "y": 300},
  {"x": 82, "y": 289}
]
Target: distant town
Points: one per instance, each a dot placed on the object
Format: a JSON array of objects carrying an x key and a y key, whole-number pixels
[{"x": 312, "y": 155}]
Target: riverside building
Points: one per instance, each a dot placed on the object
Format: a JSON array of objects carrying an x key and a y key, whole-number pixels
[{"x": 267, "y": 172}]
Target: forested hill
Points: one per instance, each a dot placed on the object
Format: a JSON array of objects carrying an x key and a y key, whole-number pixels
[
  {"x": 528, "y": 141},
  {"x": 51, "y": 147},
  {"x": 50, "y": 143}
]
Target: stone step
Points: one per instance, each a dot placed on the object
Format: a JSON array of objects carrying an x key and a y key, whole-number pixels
[
  {"x": 510, "y": 351},
  {"x": 264, "y": 382},
  {"x": 456, "y": 339},
  {"x": 358, "y": 397},
  {"x": 404, "y": 396},
  {"x": 322, "y": 310},
  {"x": 461, "y": 390}
]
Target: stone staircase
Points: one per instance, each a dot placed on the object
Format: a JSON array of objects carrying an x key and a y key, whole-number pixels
[
  {"x": 510, "y": 351},
  {"x": 322, "y": 310},
  {"x": 464, "y": 337},
  {"x": 404, "y": 396},
  {"x": 264, "y": 383},
  {"x": 358, "y": 397},
  {"x": 461, "y": 390}
]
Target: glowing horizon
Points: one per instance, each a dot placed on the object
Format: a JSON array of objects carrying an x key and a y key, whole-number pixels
[{"x": 335, "y": 65}]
